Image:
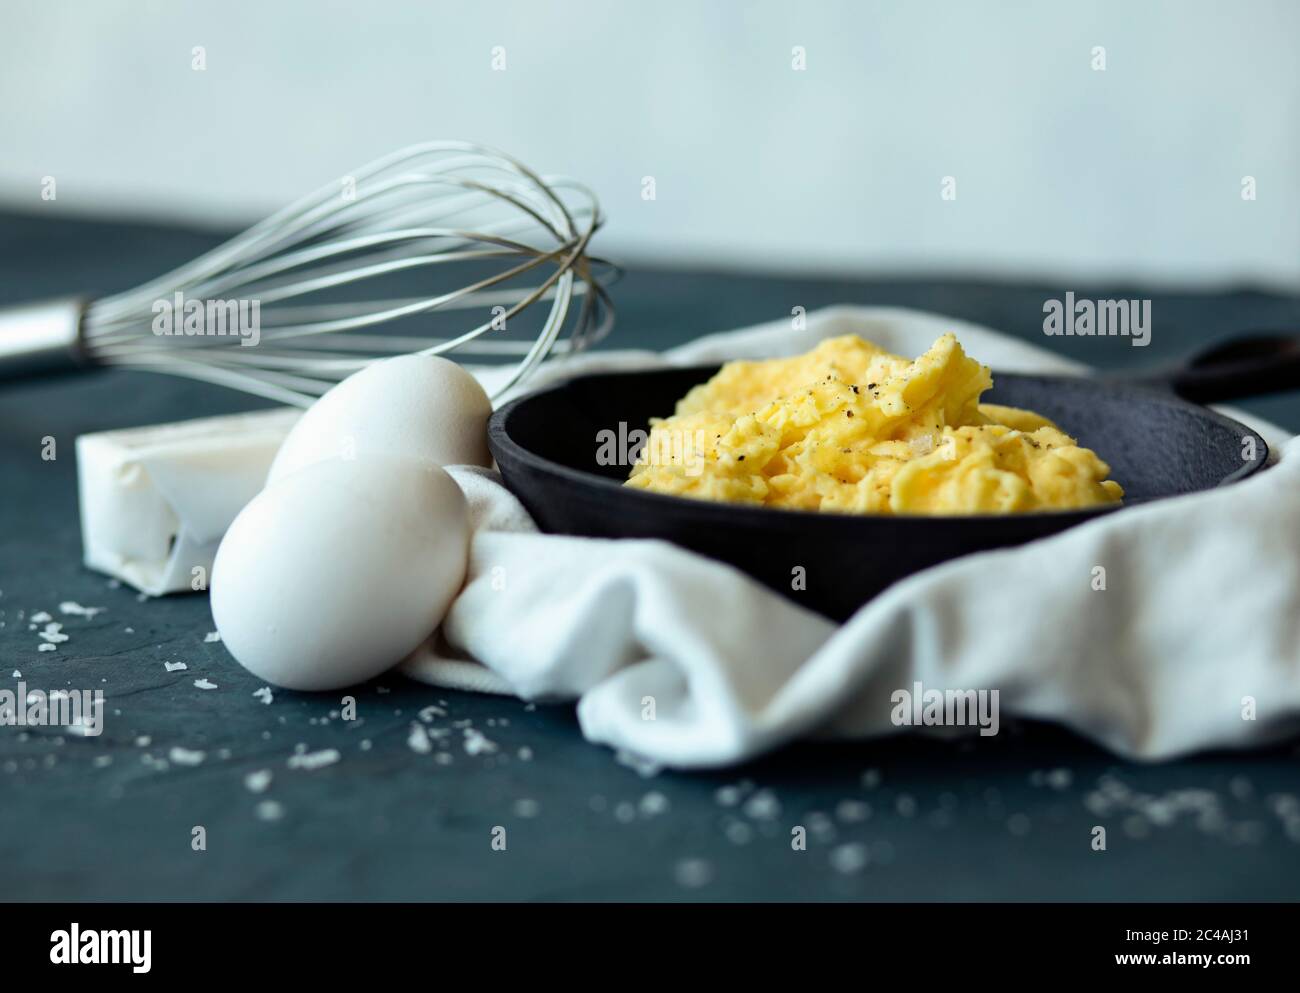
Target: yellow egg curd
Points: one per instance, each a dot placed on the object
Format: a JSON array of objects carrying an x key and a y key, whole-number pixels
[{"x": 850, "y": 428}]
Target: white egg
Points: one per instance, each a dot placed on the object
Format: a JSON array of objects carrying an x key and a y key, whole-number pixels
[
  {"x": 417, "y": 405},
  {"x": 338, "y": 571}
]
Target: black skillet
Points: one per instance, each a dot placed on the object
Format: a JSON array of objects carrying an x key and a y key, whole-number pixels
[{"x": 1158, "y": 444}]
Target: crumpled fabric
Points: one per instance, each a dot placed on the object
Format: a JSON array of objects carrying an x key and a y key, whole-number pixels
[{"x": 1194, "y": 643}]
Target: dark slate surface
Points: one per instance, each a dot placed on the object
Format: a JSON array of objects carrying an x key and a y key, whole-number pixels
[{"x": 1001, "y": 818}]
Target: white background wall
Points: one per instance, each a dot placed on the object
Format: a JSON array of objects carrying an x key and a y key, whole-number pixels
[{"x": 1062, "y": 171}]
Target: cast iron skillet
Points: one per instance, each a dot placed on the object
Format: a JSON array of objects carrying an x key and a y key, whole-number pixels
[{"x": 1157, "y": 444}]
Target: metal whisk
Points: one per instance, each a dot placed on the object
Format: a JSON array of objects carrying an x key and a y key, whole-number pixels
[{"x": 437, "y": 204}]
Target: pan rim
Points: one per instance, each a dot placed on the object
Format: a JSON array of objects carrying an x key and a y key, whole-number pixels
[{"x": 499, "y": 438}]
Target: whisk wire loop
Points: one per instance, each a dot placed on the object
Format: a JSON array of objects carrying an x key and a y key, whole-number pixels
[{"x": 440, "y": 206}]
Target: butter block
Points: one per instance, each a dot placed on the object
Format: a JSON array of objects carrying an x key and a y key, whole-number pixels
[{"x": 155, "y": 501}]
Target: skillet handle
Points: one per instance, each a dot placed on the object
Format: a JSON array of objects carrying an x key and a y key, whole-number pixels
[{"x": 1252, "y": 365}]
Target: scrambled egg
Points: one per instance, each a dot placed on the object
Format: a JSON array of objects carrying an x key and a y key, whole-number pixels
[{"x": 849, "y": 427}]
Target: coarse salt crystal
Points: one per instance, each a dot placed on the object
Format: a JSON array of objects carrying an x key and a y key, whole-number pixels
[
  {"x": 653, "y": 804},
  {"x": 418, "y": 740},
  {"x": 821, "y": 825},
  {"x": 53, "y": 633},
  {"x": 476, "y": 743},
  {"x": 76, "y": 609},
  {"x": 728, "y": 796},
  {"x": 739, "y": 833},
  {"x": 852, "y": 811},
  {"x": 692, "y": 874},
  {"x": 186, "y": 756},
  {"x": 314, "y": 760},
  {"x": 850, "y": 858},
  {"x": 763, "y": 806},
  {"x": 1060, "y": 779}
]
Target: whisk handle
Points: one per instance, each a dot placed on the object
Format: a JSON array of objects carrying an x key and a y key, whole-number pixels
[{"x": 41, "y": 338}]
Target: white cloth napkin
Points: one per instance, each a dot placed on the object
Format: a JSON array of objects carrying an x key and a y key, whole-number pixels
[{"x": 1194, "y": 643}]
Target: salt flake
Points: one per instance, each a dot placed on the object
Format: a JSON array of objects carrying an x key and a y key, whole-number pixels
[
  {"x": 476, "y": 743},
  {"x": 313, "y": 760},
  {"x": 186, "y": 756},
  {"x": 418, "y": 740},
  {"x": 77, "y": 610}
]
